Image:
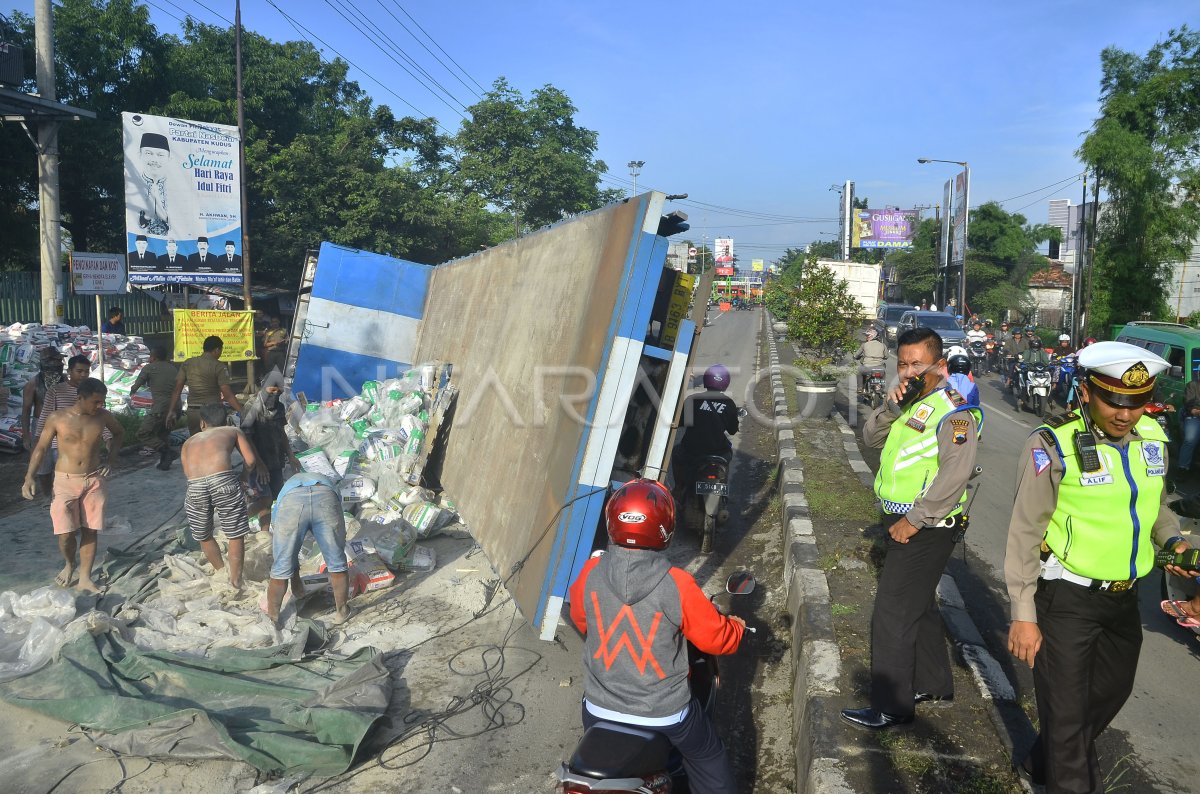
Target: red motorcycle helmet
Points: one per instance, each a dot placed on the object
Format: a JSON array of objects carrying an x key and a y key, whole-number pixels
[{"x": 641, "y": 515}]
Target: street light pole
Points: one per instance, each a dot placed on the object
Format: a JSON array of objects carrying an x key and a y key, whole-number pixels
[
  {"x": 635, "y": 168},
  {"x": 962, "y": 273}
]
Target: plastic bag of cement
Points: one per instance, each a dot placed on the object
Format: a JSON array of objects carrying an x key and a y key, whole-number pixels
[
  {"x": 375, "y": 447},
  {"x": 354, "y": 408},
  {"x": 392, "y": 541},
  {"x": 420, "y": 559},
  {"x": 409, "y": 495},
  {"x": 371, "y": 392},
  {"x": 427, "y": 518},
  {"x": 41, "y": 642},
  {"x": 52, "y": 604},
  {"x": 313, "y": 460},
  {"x": 344, "y": 460},
  {"x": 355, "y": 490}
]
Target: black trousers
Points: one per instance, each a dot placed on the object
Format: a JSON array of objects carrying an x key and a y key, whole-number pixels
[
  {"x": 703, "y": 753},
  {"x": 1083, "y": 673},
  {"x": 908, "y": 640}
]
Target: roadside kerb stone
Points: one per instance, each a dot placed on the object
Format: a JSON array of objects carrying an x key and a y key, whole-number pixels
[{"x": 815, "y": 654}]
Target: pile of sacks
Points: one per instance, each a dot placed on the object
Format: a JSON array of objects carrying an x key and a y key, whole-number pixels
[
  {"x": 20, "y": 351},
  {"x": 371, "y": 445}
]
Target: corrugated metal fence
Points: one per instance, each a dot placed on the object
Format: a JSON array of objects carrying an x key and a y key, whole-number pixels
[{"x": 19, "y": 303}]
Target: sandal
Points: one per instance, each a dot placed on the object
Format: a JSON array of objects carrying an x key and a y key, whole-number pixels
[{"x": 1175, "y": 610}]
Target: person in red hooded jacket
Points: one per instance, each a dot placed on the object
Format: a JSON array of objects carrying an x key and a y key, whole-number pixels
[{"x": 636, "y": 610}]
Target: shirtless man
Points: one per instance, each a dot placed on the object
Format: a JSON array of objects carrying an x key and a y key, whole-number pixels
[
  {"x": 79, "y": 477},
  {"x": 214, "y": 490}
]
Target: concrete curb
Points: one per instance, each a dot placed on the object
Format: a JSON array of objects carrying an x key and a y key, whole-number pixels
[{"x": 816, "y": 658}]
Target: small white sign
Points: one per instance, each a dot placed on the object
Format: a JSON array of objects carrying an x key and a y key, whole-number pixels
[{"x": 97, "y": 274}]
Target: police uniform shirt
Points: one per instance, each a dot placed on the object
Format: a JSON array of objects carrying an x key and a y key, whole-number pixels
[
  {"x": 1039, "y": 472},
  {"x": 956, "y": 461}
]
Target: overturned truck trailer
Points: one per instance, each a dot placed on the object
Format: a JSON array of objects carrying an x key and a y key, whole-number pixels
[{"x": 569, "y": 348}]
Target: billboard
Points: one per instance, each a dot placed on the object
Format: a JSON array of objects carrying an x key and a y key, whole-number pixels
[
  {"x": 888, "y": 228},
  {"x": 756, "y": 265},
  {"x": 723, "y": 271},
  {"x": 945, "y": 230},
  {"x": 958, "y": 222},
  {"x": 183, "y": 216},
  {"x": 723, "y": 249}
]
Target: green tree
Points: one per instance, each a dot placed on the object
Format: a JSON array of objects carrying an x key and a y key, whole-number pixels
[
  {"x": 822, "y": 316},
  {"x": 528, "y": 156},
  {"x": 916, "y": 267},
  {"x": 1001, "y": 257},
  {"x": 1145, "y": 148}
]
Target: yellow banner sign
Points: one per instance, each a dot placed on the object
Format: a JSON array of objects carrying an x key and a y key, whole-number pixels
[
  {"x": 756, "y": 265},
  {"x": 193, "y": 326},
  {"x": 681, "y": 295}
]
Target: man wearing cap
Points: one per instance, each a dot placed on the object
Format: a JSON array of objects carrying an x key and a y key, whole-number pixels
[
  {"x": 201, "y": 261},
  {"x": 141, "y": 260},
  {"x": 929, "y": 437},
  {"x": 154, "y": 155},
  {"x": 1090, "y": 512},
  {"x": 231, "y": 261}
]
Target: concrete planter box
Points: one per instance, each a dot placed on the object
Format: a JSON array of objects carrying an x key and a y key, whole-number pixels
[
  {"x": 779, "y": 328},
  {"x": 815, "y": 397}
]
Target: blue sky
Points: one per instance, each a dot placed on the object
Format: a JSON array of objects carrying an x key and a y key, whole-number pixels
[{"x": 760, "y": 106}]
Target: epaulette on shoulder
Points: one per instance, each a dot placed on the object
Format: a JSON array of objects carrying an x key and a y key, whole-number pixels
[
  {"x": 955, "y": 398},
  {"x": 1048, "y": 438},
  {"x": 1059, "y": 421}
]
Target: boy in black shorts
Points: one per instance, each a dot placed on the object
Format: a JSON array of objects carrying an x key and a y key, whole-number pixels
[{"x": 214, "y": 491}]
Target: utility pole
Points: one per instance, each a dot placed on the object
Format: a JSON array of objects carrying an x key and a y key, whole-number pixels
[
  {"x": 241, "y": 111},
  {"x": 1077, "y": 280},
  {"x": 49, "y": 213},
  {"x": 635, "y": 168}
]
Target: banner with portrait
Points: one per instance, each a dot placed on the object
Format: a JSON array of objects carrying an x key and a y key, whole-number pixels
[{"x": 183, "y": 217}]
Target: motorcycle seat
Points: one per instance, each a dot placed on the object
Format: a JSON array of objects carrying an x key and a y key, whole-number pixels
[{"x": 609, "y": 750}]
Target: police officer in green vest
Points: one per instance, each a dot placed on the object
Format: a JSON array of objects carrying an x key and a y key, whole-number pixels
[
  {"x": 1090, "y": 513},
  {"x": 929, "y": 435}
]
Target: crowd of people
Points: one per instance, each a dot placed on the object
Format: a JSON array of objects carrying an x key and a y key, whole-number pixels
[{"x": 75, "y": 444}]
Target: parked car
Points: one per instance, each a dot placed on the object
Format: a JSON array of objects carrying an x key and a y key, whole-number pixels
[
  {"x": 941, "y": 322},
  {"x": 887, "y": 320},
  {"x": 1178, "y": 344}
]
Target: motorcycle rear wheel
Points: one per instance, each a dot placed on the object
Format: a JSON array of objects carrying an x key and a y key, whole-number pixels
[{"x": 706, "y": 537}]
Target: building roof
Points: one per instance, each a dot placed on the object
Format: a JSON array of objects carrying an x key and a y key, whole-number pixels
[{"x": 1051, "y": 277}]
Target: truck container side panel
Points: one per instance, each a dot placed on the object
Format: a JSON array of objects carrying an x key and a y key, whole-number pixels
[
  {"x": 632, "y": 316},
  {"x": 363, "y": 320},
  {"x": 528, "y": 325}
]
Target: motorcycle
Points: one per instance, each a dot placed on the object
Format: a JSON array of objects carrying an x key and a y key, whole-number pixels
[
  {"x": 993, "y": 349},
  {"x": 1160, "y": 412},
  {"x": 1064, "y": 375},
  {"x": 978, "y": 353},
  {"x": 705, "y": 507},
  {"x": 876, "y": 387},
  {"x": 616, "y": 758},
  {"x": 1035, "y": 388}
]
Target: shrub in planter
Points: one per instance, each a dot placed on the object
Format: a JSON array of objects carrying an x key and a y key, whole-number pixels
[{"x": 824, "y": 319}]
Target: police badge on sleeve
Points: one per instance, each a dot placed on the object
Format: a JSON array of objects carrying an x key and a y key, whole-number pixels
[{"x": 1152, "y": 453}]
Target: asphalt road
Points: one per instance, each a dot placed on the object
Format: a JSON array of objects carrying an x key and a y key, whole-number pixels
[{"x": 1154, "y": 733}]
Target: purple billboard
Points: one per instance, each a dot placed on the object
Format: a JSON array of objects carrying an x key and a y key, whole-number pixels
[{"x": 883, "y": 228}]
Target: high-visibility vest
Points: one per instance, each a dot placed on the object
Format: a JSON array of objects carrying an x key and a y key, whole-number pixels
[
  {"x": 909, "y": 460},
  {"x": 1102, "y": 521}
]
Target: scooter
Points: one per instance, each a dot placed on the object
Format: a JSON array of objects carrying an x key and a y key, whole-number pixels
[
  {"x": 1064, "y": 376},
  {"x": 617, "y": 758},
  {"x": 978, "y": 353},
  {"x": 705, "y": 507},
  {"x": 1036, "y": 388},
  {"x": 876, "y": 387}
]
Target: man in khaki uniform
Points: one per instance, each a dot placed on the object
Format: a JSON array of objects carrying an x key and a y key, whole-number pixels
[
  {"x": 929, "y": 436},
  {"x": 160, "y": 375},
  {"x": 207, "y": 381},
  {"x": 1089, "y": 515}
]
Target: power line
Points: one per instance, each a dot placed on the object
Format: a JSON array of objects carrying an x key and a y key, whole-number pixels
[
  {"x": 165, "y": 11},
  {"x": 1043, "y": 198},
  {"x": 310, "y": 37},
  {"x": 214, "y": 13},
  {"x": 187, "y": 14},
  {"x": 431, "y": 38},
  {"x": 741, "y": 213},
  {"x": 431, "y": 52},
  {"x": 1072, "y": 178},
  {"x": 341, "y": 11}
]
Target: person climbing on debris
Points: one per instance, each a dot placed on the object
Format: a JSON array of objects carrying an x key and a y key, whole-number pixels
[
  {"x": 214, "y": 490},
  {"x": 308, "y": 503},
  {"x": 263, "y": 422},
  {"x": 79, "y": 477}
]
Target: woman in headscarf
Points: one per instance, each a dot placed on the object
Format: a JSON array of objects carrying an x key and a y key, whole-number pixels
[{"x": 263, "y": 422}]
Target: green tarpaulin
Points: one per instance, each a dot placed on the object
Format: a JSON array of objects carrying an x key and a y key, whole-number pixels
[{"x": 286, "y": 708}]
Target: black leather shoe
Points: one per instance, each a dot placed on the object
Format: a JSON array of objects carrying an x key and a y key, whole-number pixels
[
  {"x": 925, "y": 697},
  {"x": 873, "y": 720},
  {"x": 1025, "y": 769}
]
